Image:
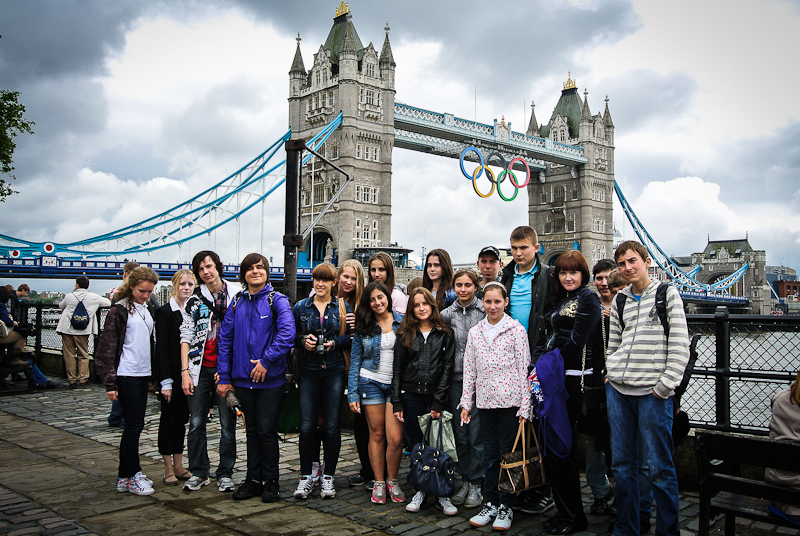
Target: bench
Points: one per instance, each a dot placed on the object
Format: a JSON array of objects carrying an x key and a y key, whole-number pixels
[
  {"x": 6, "y": 369},
  {"x": 723, "y": 489}
]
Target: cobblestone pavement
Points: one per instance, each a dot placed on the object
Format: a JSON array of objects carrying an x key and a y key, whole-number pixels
[{"x": 58, "y": 460}]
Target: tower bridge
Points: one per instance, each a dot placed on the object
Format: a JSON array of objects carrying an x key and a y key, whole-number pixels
[{"x": 344, "y": 107}]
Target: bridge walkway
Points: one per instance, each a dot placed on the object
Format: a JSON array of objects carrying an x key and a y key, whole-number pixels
[{"x": 58, "y": 463}]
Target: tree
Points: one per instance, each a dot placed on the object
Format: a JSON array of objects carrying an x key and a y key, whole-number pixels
[{"x": 13, "y": 123}]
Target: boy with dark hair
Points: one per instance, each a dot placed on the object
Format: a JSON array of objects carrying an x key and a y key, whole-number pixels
[
  {"x": 204, "y": 313},
  {"x": 645, "y": 363}
]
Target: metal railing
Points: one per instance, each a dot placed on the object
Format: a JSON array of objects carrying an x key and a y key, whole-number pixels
[{"x": 743, "y": 360}]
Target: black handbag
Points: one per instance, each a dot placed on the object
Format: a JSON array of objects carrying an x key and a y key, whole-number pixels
[
  {"x": 432, "y": 470},
  {"x": 593, "y": 405}
]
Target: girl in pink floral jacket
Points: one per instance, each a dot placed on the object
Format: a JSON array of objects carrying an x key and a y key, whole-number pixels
[{"x": 496, "y": 365}]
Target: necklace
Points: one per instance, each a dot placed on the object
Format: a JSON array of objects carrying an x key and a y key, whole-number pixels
[{"x": 141, "y": 315}]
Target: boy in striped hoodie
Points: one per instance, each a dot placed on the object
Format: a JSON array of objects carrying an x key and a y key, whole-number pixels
[{"x": 647, "y": 354}]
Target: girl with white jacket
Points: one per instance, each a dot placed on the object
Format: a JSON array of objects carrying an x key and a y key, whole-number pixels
[{"x": 495, "y": 371}]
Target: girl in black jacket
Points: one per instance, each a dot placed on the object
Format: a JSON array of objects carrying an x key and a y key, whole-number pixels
[
  {"x": 174, "y": 404},
  {"x": 424, "y": 357}
]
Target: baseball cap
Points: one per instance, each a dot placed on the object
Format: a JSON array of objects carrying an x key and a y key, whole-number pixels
[{"x": 490, "y": 249}]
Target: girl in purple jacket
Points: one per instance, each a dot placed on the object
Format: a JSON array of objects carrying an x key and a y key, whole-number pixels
[{"x": 255, "y": 337}]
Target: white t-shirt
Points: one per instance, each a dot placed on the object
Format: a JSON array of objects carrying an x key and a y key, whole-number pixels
[
  {"x": 135, "y": 358},
  {"x": 384, "y": 373}
]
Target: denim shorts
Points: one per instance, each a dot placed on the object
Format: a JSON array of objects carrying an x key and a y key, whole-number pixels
[{"x": 371, "y": 393}]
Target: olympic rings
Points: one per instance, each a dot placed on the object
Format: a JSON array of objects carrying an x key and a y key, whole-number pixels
[
  {"x": 480, "y": 159},
  {"x": 489, "y": 175},
  {"x": 495, "y": 180},
  {"x": 527, "y": 172},
  {"x": 513, "y": 180}
]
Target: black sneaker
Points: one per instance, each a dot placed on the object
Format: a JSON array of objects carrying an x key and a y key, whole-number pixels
[
  {"x": 248, "y": 490},
  {"x": 603, "y": 506},
  {"x": 271, "y": 491},
  {"x": 535, "y": 503},
  {"x": 356, "y": 479}
]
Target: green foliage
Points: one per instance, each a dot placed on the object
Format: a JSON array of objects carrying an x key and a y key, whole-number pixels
[{"x": 13, "y": 124}]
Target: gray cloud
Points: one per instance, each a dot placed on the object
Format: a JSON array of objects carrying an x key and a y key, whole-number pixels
[
  {"x": 640, "y": 97},
  {"x": 760, "y": 169}
]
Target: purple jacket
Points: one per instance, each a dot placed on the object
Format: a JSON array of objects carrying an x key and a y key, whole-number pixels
[{"x": 255, "y": 329}]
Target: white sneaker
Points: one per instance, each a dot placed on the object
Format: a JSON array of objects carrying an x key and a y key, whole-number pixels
[
  {"x": 316, "y": 471},
  {"x": 503, "y": 519},
  {"x": 225, "y": 484},
  {"x": 474, "y": 498},
  {"x": 444, "y": 504},
  {"x": 416, "y": 502},
  {"x": 140, "y": 487},
  {"x": 328, "y": 491},
  {"x": 143, "y": 478},
  {"x": 304, "y": 488},
  {"x": 461, "y": 496},
  {"x": 487, "y": 514}
]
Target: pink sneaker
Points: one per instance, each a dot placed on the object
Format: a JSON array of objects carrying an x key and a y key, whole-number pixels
[{"x": 395, "y": 491}]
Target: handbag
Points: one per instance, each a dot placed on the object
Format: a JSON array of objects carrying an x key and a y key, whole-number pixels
[
  {"x": 522, "y": 469},
  {"x": 432, "y": 470},
  {"x": 448, "y": 436},
  {"x": 593, "y": 403},
  {"x": 343, "y": 330}
]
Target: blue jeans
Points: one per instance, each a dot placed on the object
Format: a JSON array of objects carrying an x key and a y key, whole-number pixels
[
  {"x": 642, "y": 422},
  {"x": 197, "y": 443},
  {"x": 596, "y": 469},
  {"x": 469, "y": 441},
  {"x": 499, "y": 429},
  {"x": 320, "y": 392},
  {"x": 132, "y": 396},
  {"x": 115, "y": 417},
  {"x": 261, "y": 408}
]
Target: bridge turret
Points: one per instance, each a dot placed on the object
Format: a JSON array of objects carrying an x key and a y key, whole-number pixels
[
  {"x": 533, "y": 125},
  {"x": 386, "y": 61},
  {"x": 297, "y": 79},
  {"x": 586, "y": 118},
  {"x": 348, "y": 54},
  {"x": 609, "y": 124}
]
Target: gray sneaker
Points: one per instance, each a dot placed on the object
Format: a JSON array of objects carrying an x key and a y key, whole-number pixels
[
  {"x": 195, "y": 483},
  {"x": 474, "y": 498},
  {"x": 461, "y": 496},
  {"x": 225, "y": 484}
]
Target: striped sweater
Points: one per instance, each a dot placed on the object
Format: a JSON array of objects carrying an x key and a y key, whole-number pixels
[{"x": 639, "y": 359}]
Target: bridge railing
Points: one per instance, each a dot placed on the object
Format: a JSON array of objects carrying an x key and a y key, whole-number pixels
[{"x": 743, "y": 360}]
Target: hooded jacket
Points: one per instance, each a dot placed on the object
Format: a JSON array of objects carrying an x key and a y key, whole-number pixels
[
  {"x": 540, "y": 287},
  {"x": 461, "y": 319},
  {"x": 641, "y": 359},
  {"x": 252, "y": 330},
  {"x": 197, "y": 324},
  {"x": 496, "y": 370}
]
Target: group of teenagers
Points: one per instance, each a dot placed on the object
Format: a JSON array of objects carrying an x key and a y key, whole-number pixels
[{"x": 463, "y": 342}]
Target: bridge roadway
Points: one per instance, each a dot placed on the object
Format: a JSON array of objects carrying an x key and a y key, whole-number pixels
[{"x": 58, "y": 466}]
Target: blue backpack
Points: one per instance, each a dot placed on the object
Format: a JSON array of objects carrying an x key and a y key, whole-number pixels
[
  {"x": 555, "y": 429},
  {"x": 80, "y": 317}
]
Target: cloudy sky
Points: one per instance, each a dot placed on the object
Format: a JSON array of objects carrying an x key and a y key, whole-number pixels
[{"x": 139, "y": 104}]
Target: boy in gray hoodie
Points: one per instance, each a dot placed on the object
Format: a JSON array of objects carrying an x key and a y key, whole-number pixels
[{"x": 646, "y": 357}]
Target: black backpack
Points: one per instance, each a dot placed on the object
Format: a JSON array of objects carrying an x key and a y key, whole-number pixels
[
  {"x": 80, "y": 317},
  {"x": 661, "y": 307}
]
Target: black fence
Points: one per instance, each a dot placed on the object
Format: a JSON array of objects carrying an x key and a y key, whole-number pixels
[{"x": 743, "y": 360}]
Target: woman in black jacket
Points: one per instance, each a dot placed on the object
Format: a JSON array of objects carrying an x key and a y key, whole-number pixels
[
  {"x": 424, "y": 357},
  {"x": 174, "y": 404},
  {"x": 572, "y": 324}
]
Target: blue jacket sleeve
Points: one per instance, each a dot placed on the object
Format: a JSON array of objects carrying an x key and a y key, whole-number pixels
[
  {"x": 5, "y": 317},
  {"x": 225, "y": 338},
  {"x": 275, "y": 353},
  {"x": 356, "y": 357}
]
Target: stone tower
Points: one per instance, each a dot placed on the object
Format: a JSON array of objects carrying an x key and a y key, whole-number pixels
[
  {"x": 348, "y": 77},
  {"x": 570, "y": 206}
]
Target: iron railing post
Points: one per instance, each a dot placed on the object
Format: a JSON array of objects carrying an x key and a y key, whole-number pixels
[
  {"x": 723, "y": 367},
  {"x": 37, "y": 347},
  {"x": 292, "y": 238}
]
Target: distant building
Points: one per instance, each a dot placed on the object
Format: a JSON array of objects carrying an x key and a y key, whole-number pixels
[
  {"x": 51, "y": 295},
  {"x": 162, "y": 294}
]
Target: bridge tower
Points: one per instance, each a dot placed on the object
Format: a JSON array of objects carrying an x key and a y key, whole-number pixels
[
  {"x": 570, "y": 206},
  {"x": 358, "y": 81}
]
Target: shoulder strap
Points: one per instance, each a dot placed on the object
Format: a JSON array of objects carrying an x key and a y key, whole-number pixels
[
  {"x": 621, "y": 299},
  {"x": 661, "y": 306}
]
